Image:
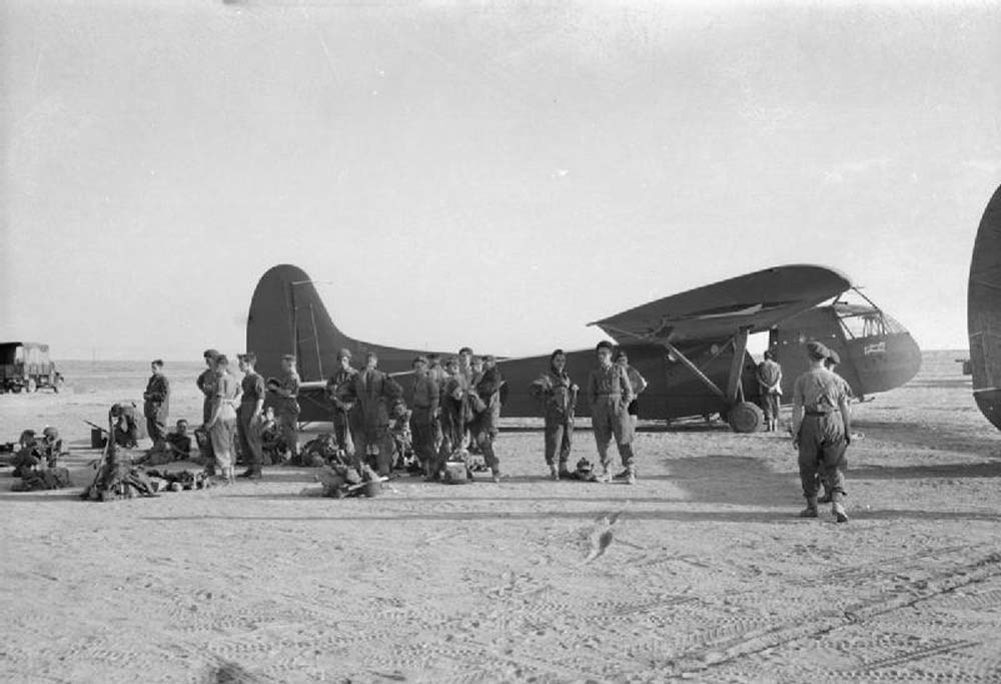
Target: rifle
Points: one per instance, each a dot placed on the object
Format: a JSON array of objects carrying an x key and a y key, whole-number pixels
[{"x": 96, "y": 427}]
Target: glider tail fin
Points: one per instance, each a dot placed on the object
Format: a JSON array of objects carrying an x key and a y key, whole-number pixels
[{"x": 287, "y": 316}]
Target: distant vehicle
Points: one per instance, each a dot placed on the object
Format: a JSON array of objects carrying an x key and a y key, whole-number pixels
[
  {"x": 26, "y": 367},
  {"x": 691, "y": 347}
]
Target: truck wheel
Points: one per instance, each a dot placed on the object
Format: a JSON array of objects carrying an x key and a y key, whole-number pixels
[
  {"x": 32, "y": 385},
  {"x": 745, "y": 417}
]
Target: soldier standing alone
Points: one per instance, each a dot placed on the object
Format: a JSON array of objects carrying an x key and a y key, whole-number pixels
[
  {"x": 157, "y": 403},
  {"x": 558, "y": 394},
  {"x": 769, "y": 376},
  {"x": 609, "y": 393},
  {"x": 821, "y": 428}
]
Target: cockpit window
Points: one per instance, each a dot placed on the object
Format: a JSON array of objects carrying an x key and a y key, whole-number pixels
[{"x": 871, "y": 323}]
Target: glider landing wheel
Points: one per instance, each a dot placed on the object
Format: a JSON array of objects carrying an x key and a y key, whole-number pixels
[{"x": 745, "y": 417}]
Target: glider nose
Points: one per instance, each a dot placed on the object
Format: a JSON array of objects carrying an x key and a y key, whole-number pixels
[{"x": 887, "y": 361}]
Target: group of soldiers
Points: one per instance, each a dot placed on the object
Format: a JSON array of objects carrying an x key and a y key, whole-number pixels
[
  {"x": 454, "y": 408},
  {"x": 456, "y": 405}
]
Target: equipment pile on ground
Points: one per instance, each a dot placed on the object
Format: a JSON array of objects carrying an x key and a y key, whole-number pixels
[{"x": 341, "y": 481}]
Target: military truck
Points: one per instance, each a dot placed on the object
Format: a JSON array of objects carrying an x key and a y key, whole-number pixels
[{"x": 26, "y": 367}]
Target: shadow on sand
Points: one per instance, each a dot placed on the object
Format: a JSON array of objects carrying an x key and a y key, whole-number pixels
[{"x": 927, "y": 437}]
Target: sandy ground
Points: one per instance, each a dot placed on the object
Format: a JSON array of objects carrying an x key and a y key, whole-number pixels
[{"x": 701, "y": 571}]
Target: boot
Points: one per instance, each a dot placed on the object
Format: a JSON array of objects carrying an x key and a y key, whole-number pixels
[
  {"x": 622, "y": 475},
  {"x": 811, "y": 508},
  {"x": 838, "y": 508}
]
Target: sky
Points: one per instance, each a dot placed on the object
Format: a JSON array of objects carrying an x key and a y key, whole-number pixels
[{"x": 494, "y": 174}]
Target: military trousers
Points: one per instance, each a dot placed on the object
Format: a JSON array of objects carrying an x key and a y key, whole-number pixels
[
  {"x": 485, "y": 440},
  {"x": 377, "y": 440},
  {"x": 822, "y": 450},
  {"x": 156, "y": 426},
  {"x": 249, "y": 433},
  {"x": 222, "y": 434},
  {"x": 559, "y": 438},
  {"x": 342, "y": 431},
  {"x": 423, "y": 431},
  {"x": 770, "y": 405},
  {"x": 288, "y": 428},
  {"x": 609, "y": 419}
]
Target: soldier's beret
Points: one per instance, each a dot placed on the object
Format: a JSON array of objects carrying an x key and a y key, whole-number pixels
[
  {"x": 817, "y": 351},
  {"x": 344, "y": 354},
  {"x": 421, "y": 359},
  {"x": 604, "y": 344},
  {"x": 465, "y": 350},
  {"x": 833, "y": 356},
  {"x": 288, "y": 357},
  {"x": 210, "y": 353}
]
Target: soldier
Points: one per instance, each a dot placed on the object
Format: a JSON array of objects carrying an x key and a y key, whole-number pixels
[
  {"x": 51, "y": 446},
  {"x": 609, "y": 393},
  {"x": 821, "y": 429},
  {"x": 485, "y": 425},
  {"x": 423, "y": 418},
  {"x": 157, "y": 403},
  {"x": 477, "y": 405},
  {"x": 558, "y": 394},
  {"x": 638, "y": 383},
  {"x": 440, "y": 376},
  {"x": 206, "y": 383},
  {"x": 456, "y": 411},
  {"x": 179, "y": 442},
  {"x": 466, "y": 362},
  {"x": 436, "y": 371},
  {"x": 831, "y": 363},
  {"x": 286, "y": 389},
  {"x": 344, "y": 418},
  {"x": 769, "y": 376},
  {"x": 221, "y": 424},
  {"x": 373, "y": 391},
  {"x": 249, "y": 416}
]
